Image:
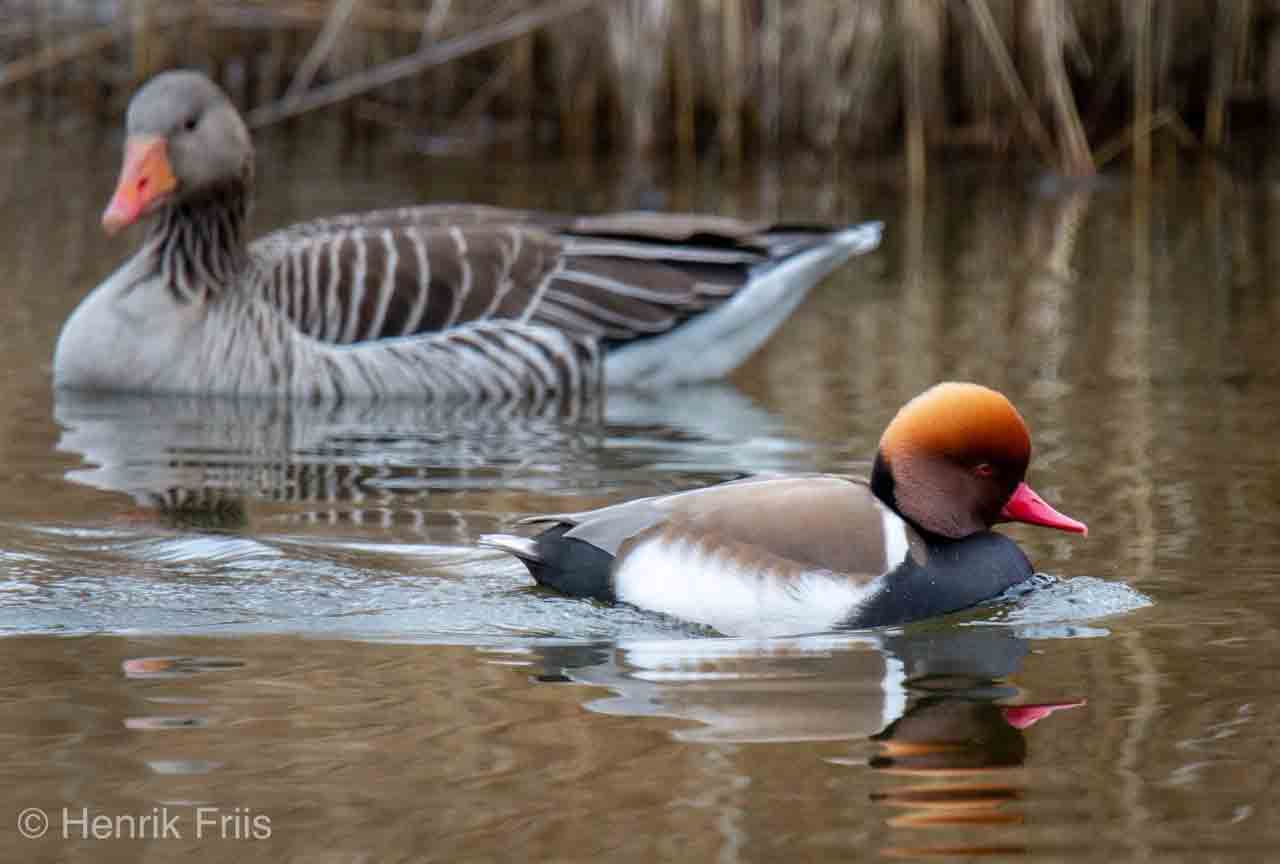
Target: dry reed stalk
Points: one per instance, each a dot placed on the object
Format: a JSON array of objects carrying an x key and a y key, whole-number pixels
[
  {"x": 1163, "y": 36},
  {"x": 573, "y": 49},
  {"x": 522, "y": 91},
  {"x": 1142, "y": 95},
  {"x": 437, "y": 20},
  {"x": 803, "y": 73},
  {"x": 841, "y": 52},
  {"x": 702, "y": 40},
  {"x": 931, "y": 27},
  {"x": 1070, "y": 214},
  {"x": 831, "y": 74},
  {"x": 1056, "y": 30},
  {"x": 377, "y": 47},
  {"x": 484, "y": 97},
  {"x": 867, "y": 83},
  {"x": 320, "y": 50},
  {"x": 1243, "y": 19},
  {"x": 637, "y": 30},
  {"x": 409, "y": 91},
  {"x": 42, "y": 88},
  {"x": 683, "y": 79},
  {"x": 732, "y": 81},
  {"x": 415, "y": 88},
  {"x": 385, "y": 73},
  {"x": 921, "y": 22},
  {"x": 305, "y": 15},
  {"x": 1270, "y": 73},
  {"x": 142, "y": 47},
  {"x": 434, "y": 20},
  {"x": 53, "y": 54},
  {"x": 1165, "y": 117},
  {"x": 980, "y": 88},
  {"x": 796, "y": 69},
  {"x": 1139, "y": 357},
  {"x": 1230, "y": 29},
  {"x": 199, "y": 42},
  {"x": 272, "y": 64},
  {"x": 990, "y": 34},
  {"x": 771, "y": 27},
  {"x": 916, "y": 150}
]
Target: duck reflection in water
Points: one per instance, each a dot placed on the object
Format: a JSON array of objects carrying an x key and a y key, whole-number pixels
[
  {"x": 956, "y": 746},
  {"x": 934, "y": 704},
  {"x": 956, "y": 749}
]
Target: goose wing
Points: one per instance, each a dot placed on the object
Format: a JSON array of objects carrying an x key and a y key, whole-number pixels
[{"x": 615, "y": 277}]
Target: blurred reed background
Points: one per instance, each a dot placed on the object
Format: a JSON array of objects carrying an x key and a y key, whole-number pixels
[{"x": 1070, "y": 84}]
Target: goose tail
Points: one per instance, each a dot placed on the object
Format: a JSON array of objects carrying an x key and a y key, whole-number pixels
[{"x": 711, "y": 345}]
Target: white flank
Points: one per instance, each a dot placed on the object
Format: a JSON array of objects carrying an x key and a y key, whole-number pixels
[
  {"x": 896, "y": 545},
  {"x": 692, "y": 583}
]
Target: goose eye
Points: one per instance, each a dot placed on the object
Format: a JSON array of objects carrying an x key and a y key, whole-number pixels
[{"x": 190, "y": 123}]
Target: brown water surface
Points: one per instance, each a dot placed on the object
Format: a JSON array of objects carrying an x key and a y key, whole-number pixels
[{"x": 267, "y": 629}]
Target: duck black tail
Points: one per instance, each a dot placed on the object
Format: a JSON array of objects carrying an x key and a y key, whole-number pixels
[{"x": 567, "y": 564}]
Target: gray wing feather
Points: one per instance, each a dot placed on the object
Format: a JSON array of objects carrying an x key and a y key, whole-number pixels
[{"x": 608, "y": 527}]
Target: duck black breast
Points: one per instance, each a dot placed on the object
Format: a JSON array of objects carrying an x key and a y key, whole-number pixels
[{"x": 957, "y": 574}]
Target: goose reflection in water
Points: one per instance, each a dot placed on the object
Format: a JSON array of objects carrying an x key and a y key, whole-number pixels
[
  {"x": 203, "y": 463},
  {"x": 933, "y": 703},
  {"x": 198, "y": 463}
]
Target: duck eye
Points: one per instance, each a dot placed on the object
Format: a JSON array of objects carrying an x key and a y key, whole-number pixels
[{"x": 982, "y": 469}]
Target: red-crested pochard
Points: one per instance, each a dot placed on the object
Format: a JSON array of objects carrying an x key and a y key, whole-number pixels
[{"x": 807, "y": 553}]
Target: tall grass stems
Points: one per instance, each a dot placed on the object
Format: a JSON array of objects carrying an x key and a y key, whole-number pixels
[{"x": 1070, "y": 84}]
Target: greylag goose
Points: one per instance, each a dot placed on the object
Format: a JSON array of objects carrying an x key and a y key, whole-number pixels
[
  {"x": 799, "y": 554},
  {"x": 437, "y": 302}
]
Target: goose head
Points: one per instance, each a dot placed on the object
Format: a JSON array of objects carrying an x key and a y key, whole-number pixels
[
  {"x": 184, "y": 140},
  {"x": 953, "y": 461}
]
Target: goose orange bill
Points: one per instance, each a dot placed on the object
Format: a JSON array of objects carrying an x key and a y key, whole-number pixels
[
  {"x": 145, "y": 181},
  {"x": 1026, "y": 506}
]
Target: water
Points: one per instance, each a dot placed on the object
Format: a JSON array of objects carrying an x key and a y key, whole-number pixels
[{"x": 267, "y": 627}]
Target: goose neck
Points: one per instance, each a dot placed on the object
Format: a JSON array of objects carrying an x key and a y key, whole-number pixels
[{"x": 200, "y": 243}]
